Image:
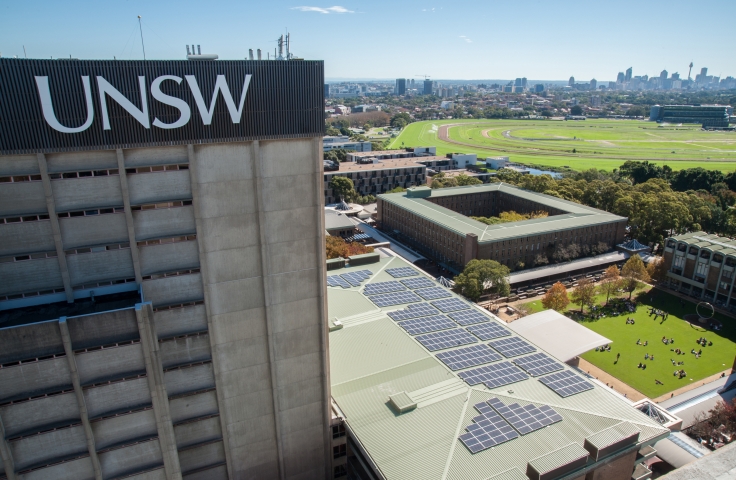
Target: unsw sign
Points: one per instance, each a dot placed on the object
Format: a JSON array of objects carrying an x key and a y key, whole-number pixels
[{"x": 61, "y": 105}]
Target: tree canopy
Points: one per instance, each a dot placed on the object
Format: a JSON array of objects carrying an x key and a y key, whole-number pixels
[
  {"x": 336, "y": 247},
  {"x": 584, "y": 293},
  {"x": 342, "y": 187},
  {"x": 556, "y": 298},
  {"x": 634, "y": 272},
  {"x": 483, "y": 276}
]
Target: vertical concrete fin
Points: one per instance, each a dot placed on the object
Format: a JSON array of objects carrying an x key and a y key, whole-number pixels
[
  {"x": 6, "y": 454},
  {"x": 324, "y": 329},
  {"x": 129, "y": 216},
  {"x": 160, "y": 400},
  {"x": 66, "y": 339},
  {"x": 55, "y": 229},
  {"x": 204, "y": 267},
  {"x": 265, "y": 272}
]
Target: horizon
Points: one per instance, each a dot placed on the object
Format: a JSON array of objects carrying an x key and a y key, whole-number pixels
[{"x": 385, "y": 40}]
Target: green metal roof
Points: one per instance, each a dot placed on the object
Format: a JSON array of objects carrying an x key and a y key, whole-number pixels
[
  {"x": 714, "y": 243},
  {"x": 372, "y": 359},
  {"x": 577, "y": 215}
]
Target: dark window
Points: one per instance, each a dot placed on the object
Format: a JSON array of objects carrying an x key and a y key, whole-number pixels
[
  {"x": 693, "y": 251},
  {"x": 340, "y": 471},
  {"x": 339, "y": 451},
  {"x": 718, "y": 258}
]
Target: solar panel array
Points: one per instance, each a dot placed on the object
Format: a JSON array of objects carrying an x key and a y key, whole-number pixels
[
  {"x": 525, "y": 419},
  {"x": 512, "y": 347},
  {"x": 421, "y": 282},
  {"x": 427, "y": 324},
  {"x": 396, "y": 298},
  {"x": 538, "y": 364},
  {"x": 347, "y": 280},
  {"x": 495, "y": 375},
  {"x": 488, "y": 331},
  {"x": 415, "y": 310},
  {"x": 450, "y": 305},
  {"x": 401, "y": 272},
  {"x": 469, "y": 357},
  {"x": 566, "y": 383},
  {"x": 383, "y": 287},
  {"x": 488, "y": 429},
  {"x": 468, "y": 317},
  {"x": 432, "y": 293},
  {"x": 446, "y": 339}
]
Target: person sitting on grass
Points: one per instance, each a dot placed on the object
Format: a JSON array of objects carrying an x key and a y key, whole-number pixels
[
  {"x": 646, "y": 356},
  {"x": 638, "y": 341},
  {"x": 651, "y": 357},
  {"x": 646, "y": 342}
]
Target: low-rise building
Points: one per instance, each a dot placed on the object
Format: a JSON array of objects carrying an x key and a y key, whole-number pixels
[
  {"x": 496, "y": 163},
  {"x": 376, "y": 178},
  {"x": 438, "y": 223},
  {"x": 702, "y": 265},
  {"x": 337, "y": 224},
  {"x": 343, "y": 142}
]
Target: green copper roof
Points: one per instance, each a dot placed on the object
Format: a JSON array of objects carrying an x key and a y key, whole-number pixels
[
  {"x": 373, "y": 360},
  {"x": 577, "y": 215}
]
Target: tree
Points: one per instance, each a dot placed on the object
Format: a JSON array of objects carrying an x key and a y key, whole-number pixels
[
  {"x": 657, "y": 269},
  {"x": 332, "y": 132},
  {"x": 576, "y": 110},
  {"x": 336, "y": 247},
  {"x": 584, "y": 293},
  {"x": 556, "y": 298},
  {"x": 463, "y": 179},
  {"x": 480, "y": 276},
  {"x": 634, "y": 271},
  {"x": 342, "y": 187},
  {"x": 610, "y": 281}
]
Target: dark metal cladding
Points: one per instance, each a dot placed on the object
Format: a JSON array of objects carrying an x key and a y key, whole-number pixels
[{"x": 285, "y": 99}]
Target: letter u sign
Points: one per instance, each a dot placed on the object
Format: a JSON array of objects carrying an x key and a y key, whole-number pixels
[{"x": 141, "y": 115}]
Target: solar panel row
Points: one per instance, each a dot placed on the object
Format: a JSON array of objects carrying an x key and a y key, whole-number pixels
[
  {"x": 396, "y": 298},
  {"x": 525, "y": 419},
  {"x": 446, "y": 339},
  {"x": 494, "y": 375},
  {"x": 433, "y": 293},
  {"x": 427, "y": 324},
  {"x": 415, "y": 310},
  {"x": 538, "y": 364},
  {"x": 488, "y": 331},
  {"x": 468, "y": 357},
  {"x": 347, "y": 280},
  {"x": 512, "y": 347},
  {"x": 450, "y": 305},
  {"x": 469, "y": 317},
  {"x": 486, "y": 431},
  {"x": 401, "y": 272},
  {"x": 566, "y": 383},
  {"x": 383, "y": 287}
]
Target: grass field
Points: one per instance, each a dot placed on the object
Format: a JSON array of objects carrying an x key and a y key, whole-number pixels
[
  {"x": 604, "y": 144},
  {"x": 714, "y": 359}
]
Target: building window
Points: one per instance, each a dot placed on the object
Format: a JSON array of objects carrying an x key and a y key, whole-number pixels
[
  {"x": 340, "y": 471},
  {"x": 338, "y": 431},
  {"x": 701, "y": 270},
  {"x": 339, "y": 451},
  {"x": 718, "y": 258}
]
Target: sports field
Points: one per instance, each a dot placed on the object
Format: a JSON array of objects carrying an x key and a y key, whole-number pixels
[
  {"x": 714, "y": 359},
  {"x": 604, "y": 144}
]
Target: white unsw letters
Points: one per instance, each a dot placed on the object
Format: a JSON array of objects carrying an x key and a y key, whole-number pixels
[{"x": 141, "y": 115}]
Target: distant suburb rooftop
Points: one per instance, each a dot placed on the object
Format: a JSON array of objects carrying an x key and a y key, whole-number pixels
[
  {"x": 431, "y": 386},
  {"x": 439, "y": 220}
]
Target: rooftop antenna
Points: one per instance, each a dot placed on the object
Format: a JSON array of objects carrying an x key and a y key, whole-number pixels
[
  {"x": 140, "y": 27},
  {"x": 24, "y": 51}
]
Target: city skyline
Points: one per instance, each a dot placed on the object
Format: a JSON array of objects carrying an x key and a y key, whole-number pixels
[{"x": 499, "y": 41}]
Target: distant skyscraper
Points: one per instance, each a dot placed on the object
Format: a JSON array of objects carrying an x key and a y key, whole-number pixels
[
  {"x": 620, "y": 77},
  {"x": 327, "y": 91},
  {"x": 629, "y": 72},
  {"x": 571, "y": 82},
  {"x": 539, "y": 88},
  {"x": 594, "y": 84},
  {"x": 704, "y": 71},
  {"x": 663, "y": 75},
  {"x": 595, "y": 101},
  {"x": 400, "y": 86},
  {"x": 428, "y": 87}
]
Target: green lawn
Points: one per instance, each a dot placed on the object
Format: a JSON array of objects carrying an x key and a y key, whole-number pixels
[
  {"x": 604, "y": 144},
  {"x": 714, "y": 359}
]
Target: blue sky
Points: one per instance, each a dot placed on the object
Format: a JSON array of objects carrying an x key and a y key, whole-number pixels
[{"x": 489, "y": 39}]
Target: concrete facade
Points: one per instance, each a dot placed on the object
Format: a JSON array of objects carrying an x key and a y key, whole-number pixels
[{"x": 195, "y": 343}]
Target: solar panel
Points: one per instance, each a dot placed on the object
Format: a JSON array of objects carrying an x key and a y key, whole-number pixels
[
  {"x": 415, "y": 310},
  {"x": 383, "y": 287},
  {"x": 525, "y": 419},
  {"x": 469, "y": 317},
  {"x": 494, "y": 375},
  {"x": 354, "y": 279},
  {"x": 538, "y": 364},
  {"x": 488, "y": 331},
  {"x": 450, "y": 305},
  {"x": 427, "y": 324},
  {"x": 432, "y": 293},
  {"x": 446, "y": 339},
  {"x": 566, "y": 383},
  {"x": 396, "y": 298},
  {"x": 401, "y": 272},
  {"x": 420, "y": 282},
  {"x": 487, "y": 430},
  {"x": 468, "y": 357},
  {"x": 337, "y": 281},
  {"x": 512, "y": 347}
]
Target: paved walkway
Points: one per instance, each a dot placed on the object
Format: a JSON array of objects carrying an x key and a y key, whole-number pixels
[{"x": 619, "y": 386}]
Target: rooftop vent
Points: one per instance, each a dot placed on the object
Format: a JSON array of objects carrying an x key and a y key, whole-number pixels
[
  {"x": 557, "y": 463},
  {"x": 402, "y": 402},
  {"x": 199, "y": 55}
]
